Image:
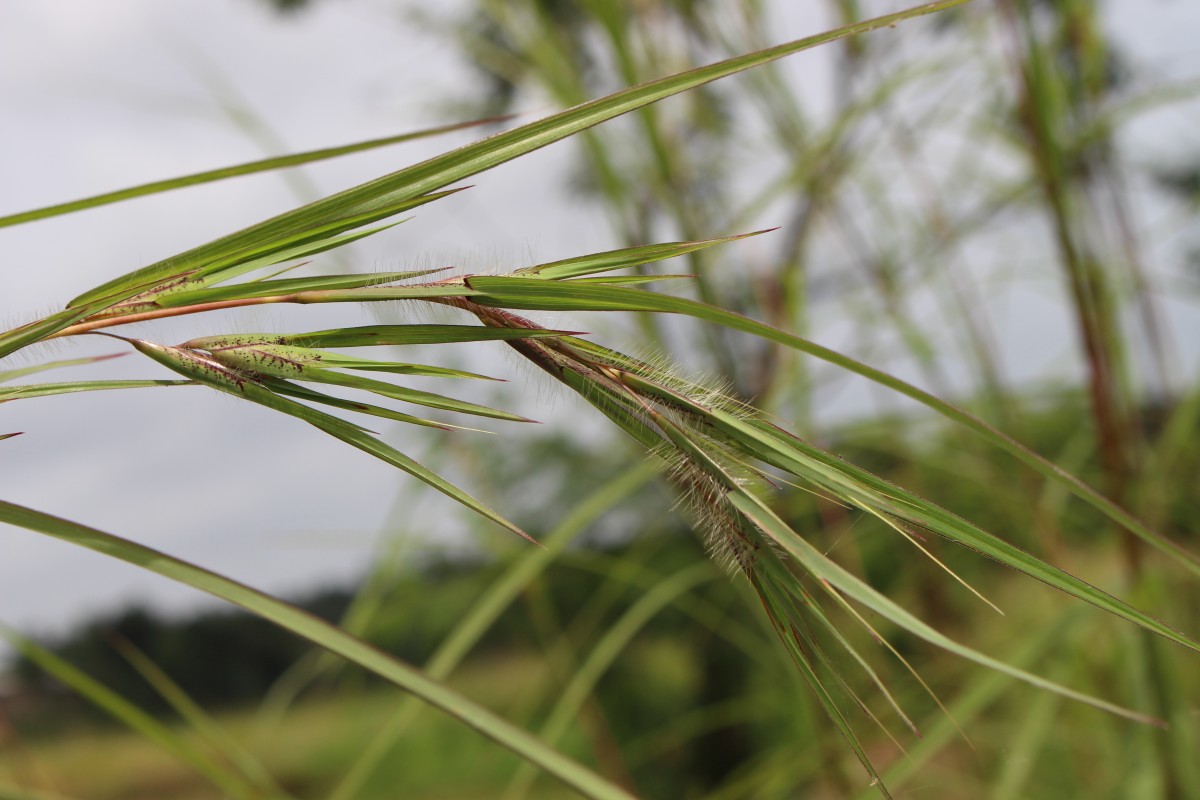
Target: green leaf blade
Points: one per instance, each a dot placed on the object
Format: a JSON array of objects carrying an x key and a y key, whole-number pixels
[
  {"x": 623, "y": 258},
  {"x": 224, "y": 173},
  {"x": 550, "y": 296},
  {"x": 284, "y": 286},
  {"x": 325, "y": 635},
  {"x": 129, "y": 714},
  {"x": 25, "y": 392},
  {"x": 214, "y": 374},
  {"x": 372, "y": 335},
  {"x": 407, "y": 185},
  {"x": 831, "y": 573}
]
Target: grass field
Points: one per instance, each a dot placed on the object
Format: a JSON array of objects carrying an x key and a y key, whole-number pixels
[{"x": 305, "y": 752}]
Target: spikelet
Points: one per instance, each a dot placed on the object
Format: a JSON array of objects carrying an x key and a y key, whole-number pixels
[
  {"x": 148, "y": 299},
  {"x": 659, "y": 368},
  {"x": 275, "y": 360},
  {"x": 702, "y": 498},
  {"x": 194, "y": 365},
  {"x": 700, "y": 465},
  {"x": 670, "y": 415}
]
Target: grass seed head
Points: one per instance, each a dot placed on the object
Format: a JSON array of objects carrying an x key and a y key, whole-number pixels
[
  {"x": 275, "y": 360},
  {"x": 194, "y": 365},
  {"x": 703, "y": 498}
]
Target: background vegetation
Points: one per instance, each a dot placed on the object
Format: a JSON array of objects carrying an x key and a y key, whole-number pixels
[{"x": 960, "y": 171}]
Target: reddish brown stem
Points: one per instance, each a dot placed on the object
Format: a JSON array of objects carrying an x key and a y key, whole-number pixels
[{"x": 87, "y": 326}]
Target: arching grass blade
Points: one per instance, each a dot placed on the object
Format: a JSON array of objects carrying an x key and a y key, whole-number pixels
[
  {"x": 130, "y": 715},
  {"x": 25, "y": 392},
  {"x": 551, "y": 296},
  {"x": 249, "y": 168},
  {"x": 325, "y": 635}
]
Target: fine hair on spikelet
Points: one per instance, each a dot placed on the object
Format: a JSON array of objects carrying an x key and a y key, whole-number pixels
[
  {"x": 729, "y": 538},
  {"x": 703, "y": 499},
  {"x": 656, "y": 366}
]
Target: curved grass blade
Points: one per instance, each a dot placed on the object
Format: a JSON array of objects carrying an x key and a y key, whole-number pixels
[
  {"x": 984, "y": 689},
  {"x": 408, "y": 185},
  {"x": 630, "y": 280},
  {"x": 280, "y": 359},
  {"x": 778, "y": 611},
  {"x": 4, "y": 436},
  {"x": 366, "y": 294},
  {"x": 809, "y": 604},
  {"x": 625, "y": 257},
  {"x": 269, "y": 288},
  {"x": 549, "y": 296},
  {"x": 337, "y": 361},
  {"x": 325, "y": 635},
  {"x": 12, "y": 374},
  {"x": 130, "y": 715},
  {"x": 618, "y": 408},
  {"x": 891, "y": 648},
  {"x": 165, "y": 295},
  {"x": 249, "y": 168},
  {"x": 16, "y": 338},
  {"x": 371, "y": 335},
  {"x": 415, "y": 396},
  {"x": 834, "y": 578},
  {"x": 216, "y": 375},
  {"x": 290, "y": 254},
  {"x": 46, "y": 389},
  {"x": 866, "y": 490},
  {"x": 377, "y": 294},
  {"x": 484, "y": 613},
  {"x": 281, "y": 386},
  {"x": 236, "y": 359},
  {"x": 441, "y": 171},
  {"x": 200, "y": 720},
  {"x": 858, "y": 486},
  {"x": 604, "y": 653},
  {"x": 228, "y": 255}
]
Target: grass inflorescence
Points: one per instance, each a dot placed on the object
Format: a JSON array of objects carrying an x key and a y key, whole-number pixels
[{"x": 720, "y": 443}]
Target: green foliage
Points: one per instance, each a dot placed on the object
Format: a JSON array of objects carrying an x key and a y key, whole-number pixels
[{"x": 817, "y": 615}]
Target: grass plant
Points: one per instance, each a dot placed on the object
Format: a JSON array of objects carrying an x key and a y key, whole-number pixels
[{"x": 733, "y": 464}]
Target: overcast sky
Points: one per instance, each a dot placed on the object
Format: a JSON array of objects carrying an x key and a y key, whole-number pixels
[{"x": 98, "y": 96}]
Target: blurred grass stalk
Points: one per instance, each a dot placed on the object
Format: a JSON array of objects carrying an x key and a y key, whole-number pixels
[
  {"x": 1059, "y": 79},
  {"x": 1065, "y": 74}
]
